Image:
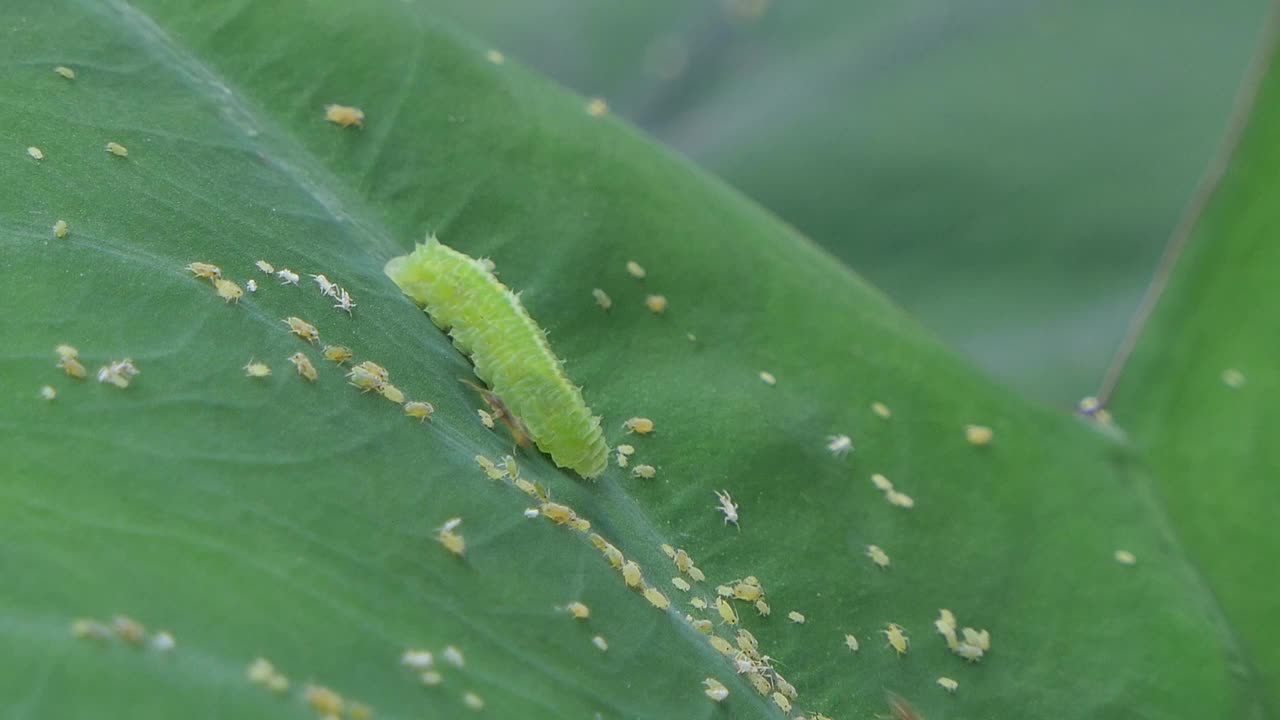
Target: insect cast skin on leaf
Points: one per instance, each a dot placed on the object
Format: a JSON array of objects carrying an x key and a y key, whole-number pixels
[{"x": 509, "y": 350}]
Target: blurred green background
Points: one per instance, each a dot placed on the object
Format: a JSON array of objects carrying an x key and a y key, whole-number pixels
[{"x": 1007, "y": 171}]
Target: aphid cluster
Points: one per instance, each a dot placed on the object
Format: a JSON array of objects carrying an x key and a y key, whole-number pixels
[
  {"x": 124, "y": 628},
  {"x": 971, "y": 644}
]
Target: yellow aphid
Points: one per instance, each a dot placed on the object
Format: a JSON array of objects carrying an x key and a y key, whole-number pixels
[
  {"x": 948, "y": 684},
  {"x": 597, "y": 107},
  {"x": 978, "y": 434},
  {"x": 759, "y": 682},
  {"x": 35, "y": 153},
  {"x": 453, "y": 542},
  {"x": 656, "y": 598},
  {"x": 631, "y": 574},
  {"x": 698, "y": 602},
  {"x": 72, "y": 367},
  {"x": 117, "y": 149},
  {"x": 323, "y": 700},
  {"x": 493, "y": 471},
  {"x": 748, "y": 590},
  {"x": 668, "y": 550},
  {"x": 881, "y": 482},
  {"x": 509, "y": 464},
  {"x": 1124, "y": 557},
  {"x": 839, "y": 445},
  {"x": 644, "y": 471},
  {"x": 60, "y": 229},
  {"x": 602, "y": 298},
  {"x": 881, "y": 409},
  {"x": 748, "y": 643},
  {"x": 344, "y": 115},
  {"x": 600, "y": 642},
  {"x": 65, "y": 72},
  {"x": 228, "y": 290},
  {"x": 727, "y": 613},
  {"x": 979, "y": 638},
  {"x": 703, "y": 626},
  {"x": 337, "y": 353},
  {"x": 899, "y": 499},
  {"x": 781, "y": 701},
  {"x": 851, "y": 642},
  {"x": 302, "y": 328},
  {"x": 785, "y": 687},
  {"x": 681, "y": 584},
  {"x": 599, "y": 542},
  {"x": 360, "y": 377},
  {"x": 639, "y": 425},
  {"x": 715, "y": 689},
  {"x": 762, "y": 608},
  {"x": 578, "y": 610},
  {"x": 392, "y": 393},
  {"x": 256, "y": 369},
  {"x": 47, "y": 392},
  {"x": 304, "y": 366},
  {"x": 1231, "y": 377},
  {"x": 557, "y": 513},
  {"x": 265, "y": 266},
  {"x": 529, "y": 488},
  {"x": 878, "y": 556},
  {"x": 580, "y": 524},
  {"x": 724, "y": 591},
  {"x": 375, "y": 369},
  {"x": 206, "y": 271},
  {"x": 473, "y": 701},
  {"x": 635, "y": 270},
  {"x": 495, "y": 57},
  {"x": 696, "y": 574},
  {"x": 419, "y": 409},
  {"x": 614, "y": 556},
  {"x": 277, "y": 683},
  {"x": 682, "y": 560},
  {"x": 260, "y": 670},
  {"x": 360, "y": 711},
  {"x": 657, "y": 304},
  {"x": 796, "y": 617},
  {"x": 721, "y": 645},
  {"x": 485, "y": 419},
  {"x": 622, "y": 460},
  {"x": 431, "y": 678},
  {"x": 86, "y": 629},
  {"x": 67, "y": 351},
  {"x": 128, "y": 629},
  {"x": 768, "y": 378},
  {"x": 897, "y": 638}
]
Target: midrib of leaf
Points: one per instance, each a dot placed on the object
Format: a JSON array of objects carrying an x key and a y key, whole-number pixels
[{"x": 309, "y": 175}]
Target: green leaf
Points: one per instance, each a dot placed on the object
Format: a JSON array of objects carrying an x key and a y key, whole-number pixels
[
  {"x": 1007, "y": 172},
  {"x": 295, "y": 521},
  {"x": 1200, "y": 393}
]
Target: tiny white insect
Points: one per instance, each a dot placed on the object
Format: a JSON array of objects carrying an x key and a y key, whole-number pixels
[
  {"x": 728, "y": 507},
  {"x": 881, "y": 482},
  {"x": 48, "y": 393},
  {"x": 1124, "y": 557},
  {"x": 344, "y": 301},
  {"x": 635, "y": 270},
  {"x": 417, "y": 659},
  {"x": 451, "y": 654},
  {"x": 251, "y": 285},
  {"x": 473, "y": 701},
  {"x": 495, "y": 57},
  {"x": 948, "y": 684},
  {"x": 715, "y": 689},
  {"x": 1233, "y": 378},
  {"x": 287, "y": 276},
  {"x": 163, "y": 641},
  {"x": 35, "y": 153},
  {"x": 531, "y": 513},
  {"x": 839, "y": 445},
  {"x": 327, "y": 288},
  {"x": 65, "y": 72},
  {"x": 768, "y": 378},
  {"x": 265, "y": 267},
  {"x": 600, "y": 642},
  {"x": 602, "y": 298},
  {"x": 60, "y": 229}
]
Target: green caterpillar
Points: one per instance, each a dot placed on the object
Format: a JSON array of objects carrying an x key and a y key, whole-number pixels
[{"x": 509, "y": 350}]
